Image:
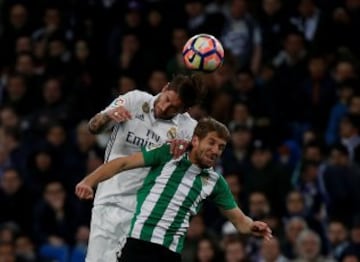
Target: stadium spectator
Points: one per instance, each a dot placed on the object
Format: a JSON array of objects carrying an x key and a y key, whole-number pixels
[{"x": 290, "y": 79}]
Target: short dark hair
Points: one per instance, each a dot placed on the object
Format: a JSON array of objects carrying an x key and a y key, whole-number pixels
[
  {"x": 208, "y": 124},
  {"x": 190, "y": 89}
]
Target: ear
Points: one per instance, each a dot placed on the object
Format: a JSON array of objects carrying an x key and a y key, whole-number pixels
[{"x": 195, "y": 141}]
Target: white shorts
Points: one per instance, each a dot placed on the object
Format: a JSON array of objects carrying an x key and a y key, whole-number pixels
[{"x": 108, "y": 231}]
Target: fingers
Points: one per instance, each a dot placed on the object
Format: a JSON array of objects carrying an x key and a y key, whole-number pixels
[
  {"x": 119, "y": 114},
  {"x": 172, "y": 146},
  {"x": 178, "y": 147},
  {"x": 266, "y": 233},
  {"x": 84, "y": 191},
  {"x": 261, "y": 229}
]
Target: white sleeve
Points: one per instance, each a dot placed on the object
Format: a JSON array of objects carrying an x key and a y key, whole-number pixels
[
  {"x": 126, "y": 100},
  {"x": 186, "y": 127}
]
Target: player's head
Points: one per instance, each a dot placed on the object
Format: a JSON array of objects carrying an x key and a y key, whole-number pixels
[
  {"x": 208, "y": 142},
  {"x": 179, "y": 95}
]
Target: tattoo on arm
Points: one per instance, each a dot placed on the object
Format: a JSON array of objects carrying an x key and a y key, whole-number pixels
[{"x": 98, "y": 123}]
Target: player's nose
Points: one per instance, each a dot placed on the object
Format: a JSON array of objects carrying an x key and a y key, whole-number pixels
[
  {"x": 215, "y": 150},
  {"x": 165, "y": 107}
]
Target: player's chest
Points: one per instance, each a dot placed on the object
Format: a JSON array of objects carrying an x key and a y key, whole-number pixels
[{"x": 144, "y": 131}]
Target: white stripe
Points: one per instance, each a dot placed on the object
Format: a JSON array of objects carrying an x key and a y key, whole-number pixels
[
  {"x": 111, "y": 142},
  {"x": 152, "y": 198},
  {"x": 182, "y": 230},
  {"x": 174, "y": 205},
  {"x": 205, "y": 192}
]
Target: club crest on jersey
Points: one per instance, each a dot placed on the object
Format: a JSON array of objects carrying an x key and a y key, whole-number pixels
[
  {"x": 171, "y": 133},
  {"x": 204, "y": 179},
  {"x": 146, "y": 107}
]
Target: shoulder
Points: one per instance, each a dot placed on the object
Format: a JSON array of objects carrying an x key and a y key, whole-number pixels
[
  {"x": 185, "y": 118},
  {"x": 137, "y": 94},
  {"x": 156, "y": 154},
  {"x": 186, "y": 125},
  {"x": 135, "y": 98}
]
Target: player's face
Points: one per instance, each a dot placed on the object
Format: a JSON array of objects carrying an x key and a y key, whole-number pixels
[
  {"x": 167, "y": 105},
  {"x": 208, "y": 149}
]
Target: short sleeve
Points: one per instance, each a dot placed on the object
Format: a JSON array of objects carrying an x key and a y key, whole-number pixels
[
  {"x": 127, "y": 100},
  {"x": 186, "y": 127},
  {"x": 222, "y": 196},
  {"x": 156, "y": 156}
]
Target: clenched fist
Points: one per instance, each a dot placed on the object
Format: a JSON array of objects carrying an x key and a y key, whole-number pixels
[
  {"x": 84, "y": 191},
  {"x": 261, "y": 229}
]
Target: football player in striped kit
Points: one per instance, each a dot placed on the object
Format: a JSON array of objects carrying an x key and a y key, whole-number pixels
[
  {"x": 137, "y": 119},
  {"x": 172, "y": 192}
]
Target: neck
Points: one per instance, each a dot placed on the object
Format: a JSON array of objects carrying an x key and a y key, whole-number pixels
[{"x": 192, "y": 157}]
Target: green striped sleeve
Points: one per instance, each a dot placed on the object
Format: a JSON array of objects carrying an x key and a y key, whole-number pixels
[
  {"x": 156, "y": 156},
  {"x": 222, "y": 196}
]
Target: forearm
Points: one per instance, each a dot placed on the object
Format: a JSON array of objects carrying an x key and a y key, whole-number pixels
[
  {"x": 98, "y": 123},
  {"x": 104, "y": 172},
  {"x": 242, "y": 222},
  {"x": 244, "y": 225},
  {"x": 114, "y": 167}
]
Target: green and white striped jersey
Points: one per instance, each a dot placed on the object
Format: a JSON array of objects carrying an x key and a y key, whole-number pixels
[
  {"x": 128, "y": 138},
  {"x": 172, "y": 192}
]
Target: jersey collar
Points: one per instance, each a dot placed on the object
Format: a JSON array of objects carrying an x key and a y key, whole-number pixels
[{"x": 202, "y": 171}]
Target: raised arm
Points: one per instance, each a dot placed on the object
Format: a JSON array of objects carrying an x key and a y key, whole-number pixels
[
  {"x": 118, "y": 111},
  {"x": 98, "y": 123},
  {"x": 246, "y": 225},
  {"x": 84, "y": 188}
]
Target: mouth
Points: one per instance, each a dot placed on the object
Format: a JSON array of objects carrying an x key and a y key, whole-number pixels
[
  {"x": 158, "y": 112},
  {"x": 210, "y": 158}
]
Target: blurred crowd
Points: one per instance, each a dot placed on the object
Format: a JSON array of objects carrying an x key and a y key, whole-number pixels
[{"x": 288, "y": 91}]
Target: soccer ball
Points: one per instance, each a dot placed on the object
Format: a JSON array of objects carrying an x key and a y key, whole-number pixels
[{"x": 203, "y": 52}]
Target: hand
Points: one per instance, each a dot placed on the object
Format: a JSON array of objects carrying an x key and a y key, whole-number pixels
[
  {"x": 178, "y": 147},
  {"x": 119, "y": 114},
  {"x": 84, "y": 191},
  {"x": 261, "y": 229}
]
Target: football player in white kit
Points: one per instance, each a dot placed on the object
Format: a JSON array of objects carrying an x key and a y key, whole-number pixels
[{"x": 138, "y": 120}]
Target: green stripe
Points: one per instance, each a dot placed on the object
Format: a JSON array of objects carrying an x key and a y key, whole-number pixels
[
  {"x": 181, "y": 214},
  {"x": 164, "y": 200},
  {"x": 144, "y": 191}
]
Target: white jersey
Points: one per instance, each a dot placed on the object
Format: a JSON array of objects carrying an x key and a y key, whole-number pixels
[{"x": 143, "y": 130}]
